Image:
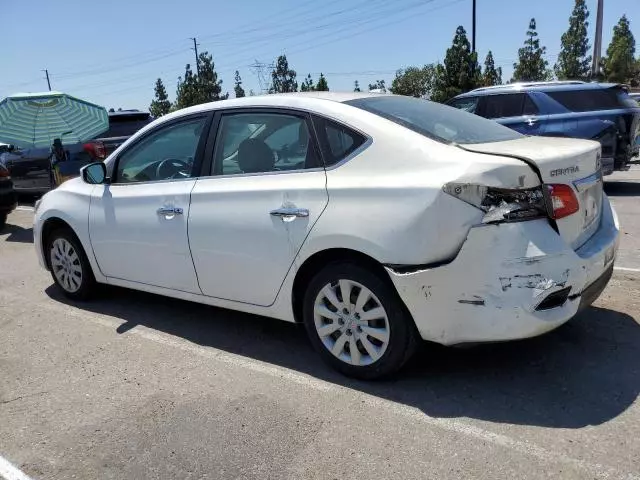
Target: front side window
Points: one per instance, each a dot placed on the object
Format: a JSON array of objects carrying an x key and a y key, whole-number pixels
[
  {"x": 436, "y": 121},
  {"x": 168, "y": 153},
  {"x": 468, "y": 104},
  {"x": 263, "y": 142}
]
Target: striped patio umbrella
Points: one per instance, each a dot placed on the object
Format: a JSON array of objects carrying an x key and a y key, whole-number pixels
[{"x": 33, "y": 120}]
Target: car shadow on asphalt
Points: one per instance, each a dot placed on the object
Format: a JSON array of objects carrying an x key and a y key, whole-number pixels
[
  {"x": 615, "y": 188},
  {"x": 16, "y": 233},
  {"x": 584, "y": 373}
]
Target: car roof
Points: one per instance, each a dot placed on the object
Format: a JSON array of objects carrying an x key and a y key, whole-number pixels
[
  {"x": 538, "y": 87},
  {"x": 299, "y": 100},
  {"x": 128, "y": 113}
]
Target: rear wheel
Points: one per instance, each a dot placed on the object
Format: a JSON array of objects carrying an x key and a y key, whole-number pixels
[
  {"x": 356, "y": 322},
  {"x": 70, "y": 267}
]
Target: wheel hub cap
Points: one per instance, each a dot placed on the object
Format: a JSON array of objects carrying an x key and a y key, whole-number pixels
[
  {"x": 351, "y": 322},
  {"x": 65, "y": 264}
]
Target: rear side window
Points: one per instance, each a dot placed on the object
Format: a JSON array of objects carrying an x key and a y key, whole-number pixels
[
  {"x": 529, "y": 108},
  {"x": 336, "y": 140},
  {"x": 504, "y": 105},
  {"x": 436, "y": 121},
  {"x": 590, "y": 100},
  {"x": 126, "y": 125}
]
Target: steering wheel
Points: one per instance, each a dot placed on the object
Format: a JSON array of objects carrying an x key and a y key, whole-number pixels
[{"x": 172, "y": 168}]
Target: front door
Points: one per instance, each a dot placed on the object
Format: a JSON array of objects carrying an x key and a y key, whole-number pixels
[
  {"x": 138, "y": 223},
  {"x": 250, "y": 218}
]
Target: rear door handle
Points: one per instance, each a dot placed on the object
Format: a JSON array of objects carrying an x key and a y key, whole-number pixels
[
  {"x": 170, "y": 211},
  {"x": 290, "y": 212}
]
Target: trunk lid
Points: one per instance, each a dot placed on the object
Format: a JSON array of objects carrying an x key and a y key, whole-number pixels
[{"x": 561, "y": 161}]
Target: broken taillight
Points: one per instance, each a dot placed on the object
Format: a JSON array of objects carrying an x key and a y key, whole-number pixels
[
  {"x": 501, "y": 204},
  {"x": 561, "y": 200}
]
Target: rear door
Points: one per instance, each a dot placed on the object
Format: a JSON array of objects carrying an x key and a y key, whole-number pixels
[
  {"x": 250, "y": 217},
  {"x": 514, "y": 110}
]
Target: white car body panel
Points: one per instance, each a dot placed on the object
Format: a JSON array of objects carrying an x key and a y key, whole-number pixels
[
  {"x": 385, "y": 201},
  {"x": 131, "y": 241},
  {"x": 236, "y": 242}
]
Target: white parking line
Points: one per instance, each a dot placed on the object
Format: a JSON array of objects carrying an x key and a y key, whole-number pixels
[
  {"x": 9, "y": 472},
  {"x": 24, "y": 208},
  {"x": 452, "y": 425},
  {"x": 626, "y": 269}
]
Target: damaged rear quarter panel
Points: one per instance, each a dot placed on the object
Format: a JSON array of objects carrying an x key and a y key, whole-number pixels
[{"x": 497, "y": 280}]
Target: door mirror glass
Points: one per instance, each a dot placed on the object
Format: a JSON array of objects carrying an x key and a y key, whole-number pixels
[{"x": 94, "y": 173}]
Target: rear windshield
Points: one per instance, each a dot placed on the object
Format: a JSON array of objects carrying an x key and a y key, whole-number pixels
[
  {"x": 126, "y": 125},
  {"x": 593, "y": 100},
  {"x": 434, "y": 120}
]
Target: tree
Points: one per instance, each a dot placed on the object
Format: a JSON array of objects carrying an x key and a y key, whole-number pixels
[
  {"x": 208, "y": 86},
  {"x": 160, "y": 105},
  {"x": 460, "y": 72},
  {"x": 378, "y": 85},
  {"x": 186, "y": 93},
  {"x": 531, "y": 66},
  {"x": 573, "y": 62},
  {"x": 356, "y": 86},
  {"x": 491, "y": 75},
  {"x": 620, "y": 65},
  {"x": 239, "y": 91},
  {"x": 307, "y": 84},
  {"x": 204, "y": 87},
  {"x": 283, "y": 79},
  {"x": 322, "y": 85},
  {"x": 414, "y": 81}
]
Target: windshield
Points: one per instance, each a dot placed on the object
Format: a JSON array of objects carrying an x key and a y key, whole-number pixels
[{"x": 434, "y": 120}]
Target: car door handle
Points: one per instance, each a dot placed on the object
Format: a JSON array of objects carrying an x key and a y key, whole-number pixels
[
  {"x": 290, "y": 212},
  {"x": 170, "y": 211}
]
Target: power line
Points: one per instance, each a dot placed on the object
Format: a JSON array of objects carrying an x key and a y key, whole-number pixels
[
  {"x": 383, "y": 14},
  {"x": 347, "y": 27}
]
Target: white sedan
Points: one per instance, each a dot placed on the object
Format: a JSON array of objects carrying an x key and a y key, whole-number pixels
[{"x": 376, "y": 220}]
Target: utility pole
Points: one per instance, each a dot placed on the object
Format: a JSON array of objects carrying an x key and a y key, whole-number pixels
[
  {"x": 473, "y": 27},
  {"x": 597, "y": 44},
  {"x": 48, "y": 81},
  {"x": 195, "y": 49}
]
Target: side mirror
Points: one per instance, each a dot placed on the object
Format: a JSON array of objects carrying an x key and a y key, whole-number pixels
[{"x": 94, "y": 173}]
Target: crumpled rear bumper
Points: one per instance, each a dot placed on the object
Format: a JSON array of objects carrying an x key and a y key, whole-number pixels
[{"x": 493, "y": 290}]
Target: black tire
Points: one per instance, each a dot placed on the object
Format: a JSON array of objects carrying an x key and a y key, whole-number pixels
[
  {"x": 403, "y": 335},
  {"x": 87, "y": 284},
  {"x": 3, "y": 220}
]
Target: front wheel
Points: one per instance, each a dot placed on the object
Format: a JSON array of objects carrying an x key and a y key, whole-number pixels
[
  {"x": 357, "y": 322},
  {"x": 69, "y": 264}
]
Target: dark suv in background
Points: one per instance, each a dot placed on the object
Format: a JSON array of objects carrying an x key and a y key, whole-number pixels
[
  {"x": 595, "y": 111},
  {"x": 30, "y": 168}
]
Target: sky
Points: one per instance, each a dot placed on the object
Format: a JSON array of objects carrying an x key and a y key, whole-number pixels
[{"x": 111, "y": 53}]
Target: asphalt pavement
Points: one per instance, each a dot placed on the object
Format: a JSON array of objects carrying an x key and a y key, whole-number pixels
[{"x": 133, "y": 385}]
